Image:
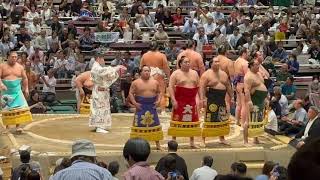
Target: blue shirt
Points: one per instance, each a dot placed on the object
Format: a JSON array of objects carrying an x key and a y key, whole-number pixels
[
  {"x": 80, "y": 170},
  {"x": 288, "y": 89},
  {"x": 280, "y": 53},
  {"x": 189, "y": 29},
  {"x": 293, "y": 67}
]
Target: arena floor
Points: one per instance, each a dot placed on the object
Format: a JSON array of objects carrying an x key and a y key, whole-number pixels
[{"x": 51, "y": 136}]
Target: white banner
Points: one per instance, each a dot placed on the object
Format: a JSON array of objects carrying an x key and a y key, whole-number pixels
[{"x": 106, "y": 37}]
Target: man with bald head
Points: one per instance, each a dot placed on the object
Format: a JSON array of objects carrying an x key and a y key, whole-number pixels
[{"x": 297, "y": 122}]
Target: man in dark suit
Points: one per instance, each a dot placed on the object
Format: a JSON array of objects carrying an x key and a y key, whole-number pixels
[
  {"x": 312, "y": 129},
  {"x": 181, "y": 165}
]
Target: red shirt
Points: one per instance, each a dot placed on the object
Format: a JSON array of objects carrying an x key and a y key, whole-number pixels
[{"x": 178, "y": 20}]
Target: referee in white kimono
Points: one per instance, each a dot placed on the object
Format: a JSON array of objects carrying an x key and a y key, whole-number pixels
[{"x": 102, "y": 77}]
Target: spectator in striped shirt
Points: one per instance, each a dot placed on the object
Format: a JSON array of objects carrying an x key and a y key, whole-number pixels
[
  {"x": 83, "y": 165},
  {"x": 136, "y": 151}
]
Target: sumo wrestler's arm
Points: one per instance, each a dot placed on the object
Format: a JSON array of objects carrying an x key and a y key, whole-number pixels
[
  {"x": 172, "y": 83},
  {"x": 24, "y": 82},
  {"x": 132, "y": 92},
  {"x": 202, "y": 89},
  {"x": 247, "y": 91},
  {"x": 79, "y": 84}
]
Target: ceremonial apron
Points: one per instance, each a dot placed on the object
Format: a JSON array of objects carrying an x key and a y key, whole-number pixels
[
  {"x": 86, "y": 101},
  {"x": 185, "y": 120},
  {"x": 146, "y": 124},
  {"x": 258, "y": 116},
  {"x": 15, "y": 107},
  {"x": 216, "y": 122}
]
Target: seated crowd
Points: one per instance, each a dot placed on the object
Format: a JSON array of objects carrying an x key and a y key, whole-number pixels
[{"x": 83, "y": 165}]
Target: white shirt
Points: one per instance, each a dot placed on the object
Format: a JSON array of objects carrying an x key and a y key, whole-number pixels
[
  {"x": 284, "y": 105},
  {"x": 272, "y": 121},
  {"x": 34, "y": 28},
  {"x": 209, "y": 28},
  {"x": 30, "y": 15},
  {"x": 203, "y": 173},
  {"x": 306, "y": 131},
  {"x": 71, "y": 63},
  {"x": 59, "y": 63},
  {"x": 52, "y": 85}
]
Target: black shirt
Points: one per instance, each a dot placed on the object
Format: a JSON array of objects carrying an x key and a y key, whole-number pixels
[{"x": 181, "y": 165}]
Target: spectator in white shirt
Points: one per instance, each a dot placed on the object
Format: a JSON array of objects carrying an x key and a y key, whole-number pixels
[
  {"x": 60, "y": 64},
  {"x": 157, "y": 2},
  {"x": 272, "y": 119},
  {"x": 209, "y": 28},
  {"x": 35, "y": 28},
  {"x": 27, "y": 47},
  {"x": 218, "y": 14},
  {"x": 49, "y": 86},
  {"x": 53, "y": 39},
  {"x": 233, "y": 38},
  {"x": 71, "y": 64},
  {"x": 12, "y": 28},
  {"x": 201, "y": 39},
  {"x": 205, "y": 172},
  {"x": 41, "y": 40},
  {"x": 221, "y": 25},
  {"x": 32, "y": 14},
  {"x": 5, "y": 46}
]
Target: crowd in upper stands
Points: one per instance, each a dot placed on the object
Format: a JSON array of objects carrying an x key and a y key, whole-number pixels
[{"x": 83, "y": 165}]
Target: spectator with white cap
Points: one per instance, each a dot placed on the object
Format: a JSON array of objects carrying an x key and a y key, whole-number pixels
[{"x": 83, "y": 165}]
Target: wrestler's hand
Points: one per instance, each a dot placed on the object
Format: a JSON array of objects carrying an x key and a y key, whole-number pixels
[
  {"x": 174, "y": 104},
  {"x": 138, "y": 106},
  {"x": 26, "y": 93},
  {"x": 81, "y": 92},
  {"x": 3, "y": 87},
  {"x": 250, "y": 105}
]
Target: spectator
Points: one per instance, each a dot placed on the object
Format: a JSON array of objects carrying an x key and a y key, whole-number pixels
[
  {"x": 209, "y": 28},
  {"x": 219, "y": 39},
  {"x": 159, "y": 16},
  {"x": 41, "y": 40},
  {"x": 204, "y": 14},
  {"x": 5, "y": 46},
  {"x": 172, "y": 51},
  {"x": 60, "y": 64},
  {"x": 293, "y": 64},
  {"x": 12, "y": 28},
  {"x": 87, "y": 40},
  {"x": 61, "y": 164},
  {"x": 32, "y": 13},
  {"x": 283, "y": 74},
  {"x": 72, "y": 29},
  {"x": 201, "y": 38},
  {"x": 266, "y": 171},
  {"x": 289, "y": 89},
  {"x": 314, "y": 50},
  {"x": 180, "y": 162},
  {"x": 35, "y": 28},
  {"x": 245, "y": 26},
  {"x": 75, "y": 7},
  {"x": 234, "y": 38},
  {"x": 282, "y": 100},
  {"x": 27, "y": 47},
  {"x": 23, "y": 169},
  {"x": 132, "y": 31},
  {"x": 280, "y": 53},
  {"x": 312, "y": 129},
  {"x": 1, "y": 174},
  {"x": 205, "y": 172},
  {"x": 161, "y": 35},
  {"x": 49, "y": 87},
  {"x": 304, "y": 163},
  {"x": 33, "y": 175},
  {"x": 238, "y": 169},
  {"x": 51, "y": 40},
  {"x": 37, "y": 66},
  {"x": 146, "y": 20},
  {"x": 178, "y": 19},
  {"x": 22, "y": 37},
  {"x": 114, "y": 169},
  {"x": 314, "y": 91},
  {"x": 297, "y": 122},
  {"x": 167, "y": 18},
  {"x": 46, "y": 12},
  {"x": 170, "y": 168},
  {"x": 116, "y": 27},
  {"x": 221, "y": 26},
  {"x": 37, "y": 53},
  {"x": 279, "y": 173},
  {"x": 136, "y": 152},
  {"x": 189, "y": 27},
  {"x": 83, "y": 165},
  {"x": 102, "y": 164},
  {"x": 272, "y": 126}
]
